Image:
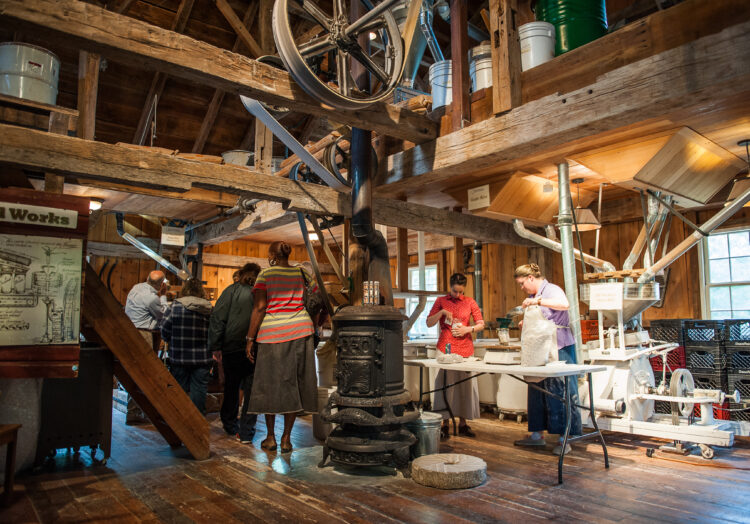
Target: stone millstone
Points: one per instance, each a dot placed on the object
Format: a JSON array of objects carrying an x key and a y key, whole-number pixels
[{"x": 449, "y": 471}]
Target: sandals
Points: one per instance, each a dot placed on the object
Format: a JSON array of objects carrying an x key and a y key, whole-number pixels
[{"x": 268, "y": 444}]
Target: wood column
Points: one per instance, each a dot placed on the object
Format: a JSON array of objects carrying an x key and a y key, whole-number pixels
[
  {"x": 402, "y": 258},
  {"x": 58, "y": 124},
  {"x": 263, "y": 148},
  {"x": 506, "y": 55},
  {"x": 458, "y": 255},
  {"x": 88, "y": 86},
  {"x": 461, "y": 105}
]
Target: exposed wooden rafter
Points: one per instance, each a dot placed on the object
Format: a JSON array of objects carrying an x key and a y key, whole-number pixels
[
  {"x": 73, "y": 23},
  {"x": 41, "y": 151},
  {"x": 239, "y": 27},
  {"x": 160, "y": 79}
]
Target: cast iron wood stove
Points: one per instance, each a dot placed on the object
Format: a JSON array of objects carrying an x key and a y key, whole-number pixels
[{"x": 370, "y": 405}]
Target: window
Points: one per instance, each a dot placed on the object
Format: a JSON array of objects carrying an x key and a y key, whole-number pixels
[
  {"x": 727, "y": 274},
  {"x": 420, "y": 329}
]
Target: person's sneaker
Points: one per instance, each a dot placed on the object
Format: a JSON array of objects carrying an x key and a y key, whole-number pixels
[
  {"x": 558, "y": 449},
  {"x": 528, "y": 441},
  {"x": 245, "y": 439}
]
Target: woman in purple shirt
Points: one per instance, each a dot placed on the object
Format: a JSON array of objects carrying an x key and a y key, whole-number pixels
[{"x": 546, "y": 412}]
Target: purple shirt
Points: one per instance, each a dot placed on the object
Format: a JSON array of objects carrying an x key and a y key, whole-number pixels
[{"x": 560, "y": 318}]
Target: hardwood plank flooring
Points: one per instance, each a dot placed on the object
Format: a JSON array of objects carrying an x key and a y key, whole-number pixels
[{"x": 146, "y": 481}]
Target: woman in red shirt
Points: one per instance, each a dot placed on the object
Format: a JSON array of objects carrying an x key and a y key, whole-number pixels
[{"x": 454, "y": 311}]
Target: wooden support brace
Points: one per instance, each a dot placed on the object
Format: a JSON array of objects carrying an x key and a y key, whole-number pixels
[
  {"x": 239, "y": 28},
  {"x": 263, "y": 148},
  {"x": 461, "y": 105},
  {"x": 506, "y": 56}
]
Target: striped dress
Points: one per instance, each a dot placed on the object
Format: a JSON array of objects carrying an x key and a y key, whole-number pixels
[{"x": 286, "y": 318}]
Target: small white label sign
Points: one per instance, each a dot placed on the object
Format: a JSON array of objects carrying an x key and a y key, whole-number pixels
[
  {"x": 606, "y": 297},
  {"x": 479, "y": 197},
  {"x": 38, "y": 215},
  {"x": 173, "y": 236}
]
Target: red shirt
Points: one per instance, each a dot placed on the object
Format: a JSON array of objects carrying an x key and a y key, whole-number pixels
[{"x": 462, "y": 308}]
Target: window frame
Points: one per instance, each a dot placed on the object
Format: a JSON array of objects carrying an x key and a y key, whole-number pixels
[
  {"x": 703, "y": 267},
  {"x": 428, "y": 306}
]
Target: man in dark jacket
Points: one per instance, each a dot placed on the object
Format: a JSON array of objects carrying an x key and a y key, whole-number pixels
[
  {"x": 185, "y": 329},
  {"x": 228, "y": 328}
]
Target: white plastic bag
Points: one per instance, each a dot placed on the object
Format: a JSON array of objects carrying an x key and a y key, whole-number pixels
[{"x": 538, "y": 338}]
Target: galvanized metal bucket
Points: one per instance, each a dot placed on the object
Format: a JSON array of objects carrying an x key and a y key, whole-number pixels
[
  {"x": 427, "y": 430},
  {"x": 28, "y": 71}
]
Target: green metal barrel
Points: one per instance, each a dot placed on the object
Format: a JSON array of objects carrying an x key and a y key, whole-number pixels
[{"x": 577, "y": 22}]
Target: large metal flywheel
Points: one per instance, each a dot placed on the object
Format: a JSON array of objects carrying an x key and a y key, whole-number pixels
[{"x": 322, "y": 66}]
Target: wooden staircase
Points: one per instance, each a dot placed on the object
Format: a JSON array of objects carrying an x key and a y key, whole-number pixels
[{"x": 140, "y": 371}]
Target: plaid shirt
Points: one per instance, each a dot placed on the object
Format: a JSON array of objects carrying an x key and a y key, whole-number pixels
[{"x": 186, "y": 332}]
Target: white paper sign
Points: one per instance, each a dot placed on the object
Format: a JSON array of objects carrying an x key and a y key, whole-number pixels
[
  {"x": 38, "y": 215},
  {"x": 173, "y": 236},
  {"x": 606, "y": 297},
  {"x": 479, "y": 197}
]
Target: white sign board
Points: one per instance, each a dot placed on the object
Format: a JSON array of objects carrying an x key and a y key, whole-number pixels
[
  {"x": 479, "y": 197},
  {"x": 38, "y": 215},
  {"x": 173, "y": 236},
  {"x": 607, "y": 297}
]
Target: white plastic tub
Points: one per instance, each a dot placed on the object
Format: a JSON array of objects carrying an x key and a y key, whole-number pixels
[
  {"x": 441, "y": 83},
  {"x": 28, "y": 71},
  {"x": 480, "y": 67},
  {"x": 537, "y": 41}
]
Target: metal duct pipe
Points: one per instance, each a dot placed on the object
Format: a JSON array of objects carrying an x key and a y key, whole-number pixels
[
  {"x": 425, "y": 24},
  {"x": 478, "y": 275},
  {"x": 181, "y": 273},
  {"x": 656, "y": 214},
  {"x": 635, "y": 252},
  {"x": 444, "y": 10},
  {"x": 415, "y": 53},
  {"x": 711, "y": 224},
  {"x": 521, "y": 231},
  {"x": 565, "y": 222},
  {"x": 360, "y": 150},
  {"x": 661, "y": 218}
]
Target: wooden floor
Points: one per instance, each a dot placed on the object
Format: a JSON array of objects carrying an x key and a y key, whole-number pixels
[{"x": 146, "y": 481}]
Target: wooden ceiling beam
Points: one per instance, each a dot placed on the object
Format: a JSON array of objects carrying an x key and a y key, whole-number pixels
[
  {"x": 159, "y": 80},
  {"x": 710, "y": 74},
  {"x": 41, "y": 151},
  {"x": 72, "y": 23},
  {"x": 218, "y": 97}
]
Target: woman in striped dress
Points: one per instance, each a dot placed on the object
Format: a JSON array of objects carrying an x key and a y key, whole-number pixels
[{"x": 280, "y": 342}]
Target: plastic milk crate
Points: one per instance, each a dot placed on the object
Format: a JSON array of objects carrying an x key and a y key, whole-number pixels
[
  {"x": 704, "y": 333},
  {"x": 737, "y": 333}
]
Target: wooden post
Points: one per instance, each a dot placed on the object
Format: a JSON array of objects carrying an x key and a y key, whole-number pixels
[
  {"x": 58, "y": 124},
  {"x": 506, "y": 56},
  {"x": 358, "y": 263},
  {"x": 263, "y": 148},
  {"x": 458, "y": 255},
  {"x": 88, "y": 85},
  {"x": 461, "y": 105},
  {"x": 265, "y": 29},
  {"x": 402, "y": 258}
]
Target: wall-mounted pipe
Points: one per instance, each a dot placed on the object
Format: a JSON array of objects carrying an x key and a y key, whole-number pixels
[
  {"x": 181, "y": 273},
  {"x": 597, "y": 263},
  {"x": 711, "y": 224},
  {"x": 565, "y": 221}
]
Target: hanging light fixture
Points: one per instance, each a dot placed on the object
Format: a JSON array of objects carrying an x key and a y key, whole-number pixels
[{"x": 584, "y": 217}]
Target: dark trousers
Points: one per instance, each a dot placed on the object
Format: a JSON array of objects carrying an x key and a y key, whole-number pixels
[
  {"x": 238, "y": 372},
  {"x": 193, "y": 378},
  {"x": 547, "y": 412}
]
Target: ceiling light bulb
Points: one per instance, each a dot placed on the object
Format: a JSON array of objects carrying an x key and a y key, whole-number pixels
[
  {"x": 548, "y": 187},
  {"x": 373, "y": 36},
  {"x": 95, "y": 205},
  {"x": 313, "y": 237}
]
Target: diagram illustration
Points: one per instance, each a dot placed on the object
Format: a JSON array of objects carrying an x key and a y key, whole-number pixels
[{"x": 40, "y": 290}]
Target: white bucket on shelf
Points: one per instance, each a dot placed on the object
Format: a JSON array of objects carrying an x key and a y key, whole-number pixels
[
  {"x": 238, "y": 157},
  {"x": 28, "y": 71},
  {"x": 480, "y": 67},
  {"x": 537, "y": 44},
  {"x": 441, "y": 84}
]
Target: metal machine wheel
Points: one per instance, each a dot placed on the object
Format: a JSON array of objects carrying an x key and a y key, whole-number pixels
[
  {"x": 707, "y": 452},
  {"x": 501, "y": 416},
  {"x": 682, "y": 385},
  {"x": 383, "y": 58}
]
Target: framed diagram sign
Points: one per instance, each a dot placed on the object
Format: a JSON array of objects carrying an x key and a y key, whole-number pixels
[{"x": 42, "y": 247}]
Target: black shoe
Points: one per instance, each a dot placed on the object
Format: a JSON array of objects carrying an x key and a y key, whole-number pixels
[
  {"x": 445, "y": 433},
  {"x": 466, "y": 431}
]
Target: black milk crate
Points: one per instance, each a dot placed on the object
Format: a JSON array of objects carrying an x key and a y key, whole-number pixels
[
  {"x": 715, "y": 380},
  {"x": 707, "y": 333},
  {"x": 737, "y": 332},
  {"x": 667, "y": 330},
  {"x": 737, "y": 359},
  {"x": 740, "y": 382},
  {"x": 739, "y": 411},
  {"x": 705, "y": 359}
]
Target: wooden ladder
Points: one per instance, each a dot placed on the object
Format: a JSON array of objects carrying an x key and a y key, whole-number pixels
[{"x": 141, "y": 372}]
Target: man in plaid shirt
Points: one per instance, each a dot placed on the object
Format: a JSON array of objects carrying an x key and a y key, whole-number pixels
[{"x": 185, "y": 329}]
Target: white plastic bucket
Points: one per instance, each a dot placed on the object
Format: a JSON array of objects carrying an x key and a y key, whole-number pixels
[
  {"x": 480, "y": 67},
  {"x": 441, "y": 83},
  {"x": 537, "y": 44},
  {"x": 512, "y": 394},
  {"x": 238, "y": 157},
  {"x": 28, "y": 71}
]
